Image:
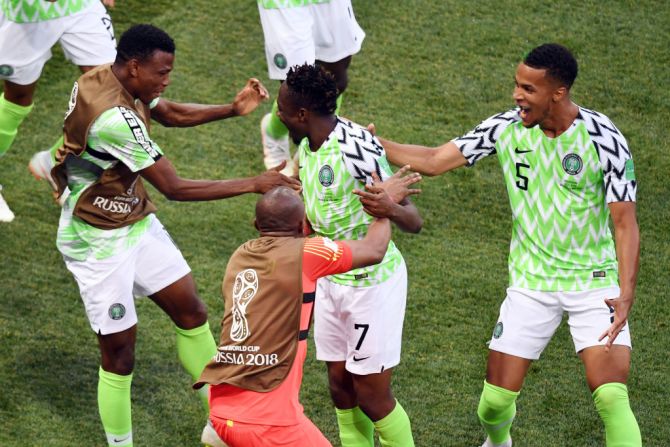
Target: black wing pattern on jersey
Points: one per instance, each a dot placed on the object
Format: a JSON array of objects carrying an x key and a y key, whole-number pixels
[
  {"x": 481, "y": 141},
  {"x": 613, "y": 153},
  {"x": 360, "y": 151}
]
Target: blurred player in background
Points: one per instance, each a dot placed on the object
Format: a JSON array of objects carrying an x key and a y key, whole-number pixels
[
  {"x": 359, "y": 315},
  {"x": 28, "y": 31},
  {"x": 567, "y": 169},
  {"x": 324, "y": 32}
]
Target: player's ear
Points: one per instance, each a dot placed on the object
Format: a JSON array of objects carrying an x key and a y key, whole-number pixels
[
  {"x": 560, "y": 93},
  {"x": 133, "y": 67},
  {"x": 303, "y": 113}
]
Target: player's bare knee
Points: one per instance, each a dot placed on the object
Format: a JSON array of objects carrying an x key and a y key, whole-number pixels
[
  {"x": 377, "y": 406},
  {"x": 341, "y": 389},
  {"x": 194, "y": 317},
  {"x": 121, "y": 362},
  {"x": 19, "y": 97}
]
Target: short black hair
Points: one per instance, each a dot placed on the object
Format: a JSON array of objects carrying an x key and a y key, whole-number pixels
[
  {"x": 140, "y": 42},
  {"x": 313, "y": 87},
  {"x": 556, "y": 59}
]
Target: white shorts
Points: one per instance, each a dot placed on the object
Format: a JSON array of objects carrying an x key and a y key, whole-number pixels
[
  {"x": 293, "y": 36},
  {"x": 108, "y": 286},
  {"x": 87, "y": 38},
  {"x": 361, "y": 325},
  {"x": 529, "y": 318}
]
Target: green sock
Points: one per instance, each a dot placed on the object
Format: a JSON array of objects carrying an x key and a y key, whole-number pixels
[
  {"x": 356, "y": 428},
  {"x": 276, "y": 128},
  {"x": 195, "y": 348},
  {"x": 114, "y": 407},
  {"x": 11, "y": 116},
  {"x": 621, "y": 429},
  {"x": 53, "y": 149},
  {"x": 496, "y": 411},
  {"x": 339, "y": 104},
  {"x": 395, "y": 429}
]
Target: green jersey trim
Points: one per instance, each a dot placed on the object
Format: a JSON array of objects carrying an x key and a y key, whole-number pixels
[{"x": 24, "y": 11}]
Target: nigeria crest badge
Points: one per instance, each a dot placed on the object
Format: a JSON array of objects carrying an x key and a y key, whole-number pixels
[
  {"x": 572, "y": 164},
  {"x": 326, "y": 175}
]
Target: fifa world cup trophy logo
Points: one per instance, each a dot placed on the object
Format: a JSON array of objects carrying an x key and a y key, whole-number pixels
[{"x": 244, "y": 290}]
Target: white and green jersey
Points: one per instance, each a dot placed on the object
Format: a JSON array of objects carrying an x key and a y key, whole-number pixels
[
  {"x": 558, "y": 190},
  {"x": 30, "y": 11},
  {"x": 116, "y": 136},
  {"x": 282, "y": 4},
  {"x": 345, "y": 162}
]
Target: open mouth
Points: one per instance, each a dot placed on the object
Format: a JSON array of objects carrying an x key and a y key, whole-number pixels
[{"x": 524, "y": 111}]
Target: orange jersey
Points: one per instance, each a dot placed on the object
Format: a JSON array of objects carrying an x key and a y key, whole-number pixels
[{"x": 281, "y": 407}]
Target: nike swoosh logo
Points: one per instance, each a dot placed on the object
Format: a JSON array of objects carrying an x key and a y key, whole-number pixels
[
  {"x": 362, "y": 358},
  {"x": 521, "y": 151},
  {"x": 121, "y": 440}
]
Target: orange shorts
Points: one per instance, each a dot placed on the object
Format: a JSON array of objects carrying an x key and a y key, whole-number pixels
[{"x": 240, "y": 434}]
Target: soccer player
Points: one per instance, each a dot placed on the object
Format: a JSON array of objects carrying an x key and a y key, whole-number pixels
[
  {"x": 324, "y": 32},
  {"x": 109, "y": 237},
  {"x": 359, "y": 315},
  {"x": 28, "y": 30},
  {"x": 257, "y": 371},
  {"x": 567, "y": 169}
]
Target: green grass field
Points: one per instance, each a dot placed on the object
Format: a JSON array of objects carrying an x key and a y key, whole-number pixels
[{"x": 428, "y": 71}]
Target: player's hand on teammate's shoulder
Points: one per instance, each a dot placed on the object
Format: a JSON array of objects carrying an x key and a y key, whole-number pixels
[
  {"x": 381, "y": 199},
  {"x": 272, "y": 178},
  {"x": 247, "y": 99},
  {"x": 398, "y": 185},
  {"x": 377, "y": 204}
]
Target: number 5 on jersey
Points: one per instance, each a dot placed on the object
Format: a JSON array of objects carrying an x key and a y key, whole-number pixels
[{"x": 522, "y": 180}]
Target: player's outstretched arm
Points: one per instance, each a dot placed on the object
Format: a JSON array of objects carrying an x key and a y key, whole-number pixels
[
  {"x": 163, "y": 176},
  {"x": 426, "y": 160},
  {"x": 175, "y": 114},
  {"x": 372, "y": 248},
  {"x": 627, "y": 241}
]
